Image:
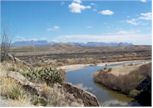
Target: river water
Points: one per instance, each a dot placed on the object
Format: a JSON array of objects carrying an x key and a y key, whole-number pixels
[{"x": 106, "y": 97}]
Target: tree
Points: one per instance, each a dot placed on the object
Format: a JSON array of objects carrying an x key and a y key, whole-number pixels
[{"x": 5, "y": 46}]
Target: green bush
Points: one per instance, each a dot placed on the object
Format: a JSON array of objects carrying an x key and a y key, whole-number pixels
[
  {"x": 15, "y": 93},
  {"x": 134, "y": 93},
  {"x": 39, "y": 101},
  {"x": 48, "y": 75}
]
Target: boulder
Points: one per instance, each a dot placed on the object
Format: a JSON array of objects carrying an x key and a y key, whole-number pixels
[
  {"x": 88, "y": 98},
  {"x": 27, "y": 85},
  {"x": 33, "y": 88}
]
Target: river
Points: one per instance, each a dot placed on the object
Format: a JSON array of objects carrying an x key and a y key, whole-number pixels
[{"x": 84, "y": 78}]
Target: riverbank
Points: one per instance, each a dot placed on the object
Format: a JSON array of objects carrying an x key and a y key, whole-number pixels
[
  {"x": 134, "y": 80},
  {"x": 84, "y": 78},
  {"x": 73, "y": 67}
]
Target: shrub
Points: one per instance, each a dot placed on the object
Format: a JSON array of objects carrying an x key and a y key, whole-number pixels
[
  {"x": 134, "y": 93},
  {"x": 110, "y": 69},
  {"x": 15, "y": 93},
  {"x": 39, "y": 101},
  {"x": 48, "y": 75}
]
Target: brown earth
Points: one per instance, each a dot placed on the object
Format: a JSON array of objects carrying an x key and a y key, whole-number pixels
[
  {"x": 60, "y": 55},
  {"x": 134, "y": 81}
]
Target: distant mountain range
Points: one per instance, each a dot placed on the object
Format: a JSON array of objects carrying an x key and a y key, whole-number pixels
[
  {"x": 31, "y": 43},
  {"x": 99, "y": 44},
  {"x": 88, "y": 44}
]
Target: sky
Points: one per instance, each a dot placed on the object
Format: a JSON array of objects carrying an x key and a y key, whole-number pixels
[{"x": 78, "y": 20}]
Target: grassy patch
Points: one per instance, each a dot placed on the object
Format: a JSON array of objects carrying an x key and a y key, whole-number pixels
[{"x": 11, "y": 89}]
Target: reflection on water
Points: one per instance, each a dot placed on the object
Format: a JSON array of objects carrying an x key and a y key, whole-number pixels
[
  {"x": 115, "y": 94},
  {"x": 84, "y": 79}
]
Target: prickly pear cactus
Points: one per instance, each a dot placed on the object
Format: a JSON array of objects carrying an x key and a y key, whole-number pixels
[{"x": 48, "y": 75}]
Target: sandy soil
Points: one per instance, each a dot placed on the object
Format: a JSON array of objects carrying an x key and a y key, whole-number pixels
[
  {"x": 80, "y": 66},
  {"x": 73, "y": 67},
  {"x": 125, "y": 62},
  {"x": 123, "y": 69},
  {"x": 126, "y": 68}
]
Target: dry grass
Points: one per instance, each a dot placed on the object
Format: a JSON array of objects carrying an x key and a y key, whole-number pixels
[
  {"x": 56, "y": 96},
  {"x": 11, "y": 66},
  {"x": 13, "y": 91},
  {"x": 50, "y": 96},
  {"x": 16, "y": 95}
]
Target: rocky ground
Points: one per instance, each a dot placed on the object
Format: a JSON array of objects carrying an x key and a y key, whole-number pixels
[{"x": 18, "y": 90}]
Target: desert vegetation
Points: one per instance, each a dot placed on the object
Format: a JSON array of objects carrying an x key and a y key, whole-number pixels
[
  {"x": 126, "y": 83},
  {"x": 49, "y": 79},
  {"x": 65, "y": 54},
  {"x": 47, "y": 75},
  {"x": 22, "y": 85}
]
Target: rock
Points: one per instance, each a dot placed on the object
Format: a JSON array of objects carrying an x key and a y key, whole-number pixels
[
  {"x": 16, "y": 60},
  {"x": 75, "y": 104},
  {"x": 11, "y": 57},
  {"x": 38, "y": 90},
  {"x": 88, "y": 98},
  {"x": 144, "y": 97},
  {"x": 27, "y": 85},
  {"x": 19, "y": 77},
  {"x": 144, "y": 84}
]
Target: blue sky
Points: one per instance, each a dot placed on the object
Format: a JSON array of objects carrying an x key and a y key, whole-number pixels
[{"x": 79, "y": 21}]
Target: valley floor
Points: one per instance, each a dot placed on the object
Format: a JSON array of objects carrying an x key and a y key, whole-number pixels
[{"x": 73, "y": 67}]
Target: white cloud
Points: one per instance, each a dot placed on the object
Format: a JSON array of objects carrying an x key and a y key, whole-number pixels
[
  {"x": 54, "y": 28},
  {"x": 76, "y": 7},
  {"x": 106, "y": 12},
  {"x": 144, "y": 1},
  {"x": 132, "y": 21},
  {"x": 142, "y": 17},
  {"x": 146, "y": 16},
  {"x": 132, "y": 38}
]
